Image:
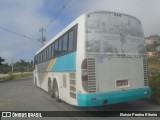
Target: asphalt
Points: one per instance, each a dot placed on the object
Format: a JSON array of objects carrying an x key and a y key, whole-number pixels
[{"x": 22, "y": 95}]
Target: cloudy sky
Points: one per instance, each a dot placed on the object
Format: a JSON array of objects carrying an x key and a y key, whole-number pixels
[{"x": 26, "y": 17}]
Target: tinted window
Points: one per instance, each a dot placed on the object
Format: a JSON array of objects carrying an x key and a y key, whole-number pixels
[
  {"x": 56, "y": 48},
  {"x": 52, "y": 50},
  {"x": 71, "y": 38},
  {"x": 41, "y": 57},
  {"x": 44, "y": 55},
  {"x": 60, "y": 45},
  {"x": 35, "y": 60},
  {"x": 47, "y": 52},
  {"x": 38, "y": 58},
  {"x": 65, "y": 41}
]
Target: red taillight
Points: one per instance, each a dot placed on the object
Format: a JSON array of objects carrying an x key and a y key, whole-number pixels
[{"x": 84, "y": 71}]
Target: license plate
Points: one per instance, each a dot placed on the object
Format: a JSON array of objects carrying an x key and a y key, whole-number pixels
[{"x": 120, "y": 83}]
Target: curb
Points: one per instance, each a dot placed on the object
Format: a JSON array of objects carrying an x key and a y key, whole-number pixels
[{"x": 1, "y": 81}]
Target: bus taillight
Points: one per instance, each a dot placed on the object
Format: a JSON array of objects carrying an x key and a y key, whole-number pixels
[{"x": 84, "y": 70}]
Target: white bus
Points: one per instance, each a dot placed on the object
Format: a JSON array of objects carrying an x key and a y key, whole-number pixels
[{"x": 99, "y": 59}]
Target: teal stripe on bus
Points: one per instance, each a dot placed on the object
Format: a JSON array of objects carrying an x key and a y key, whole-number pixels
[
  {"x": 65, "y": 63},
  {"x": 98, "y": 99}
]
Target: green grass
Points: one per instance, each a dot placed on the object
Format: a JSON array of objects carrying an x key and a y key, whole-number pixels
[
  {"x": 154, "y": 63},
  {"x": 11, "y": 77},
  {"x": 154, "y": 78},
  {"x": 154, "y": 83}
]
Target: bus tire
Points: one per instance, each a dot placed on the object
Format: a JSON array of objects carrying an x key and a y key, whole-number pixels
[
  {"x": 56, "y": 91},
  {"x": 35, "y": 82},
  {"x": 50, "y": 89}
]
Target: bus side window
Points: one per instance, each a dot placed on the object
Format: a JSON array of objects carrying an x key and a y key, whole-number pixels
[
  {"x": 53, "y": 50},
  {"x": 47, "y": 53},
  {"x": 43, "y": 55},
  {"x": 44, "y": 52},
  {"x": 56, "y": 48},
  {"x": 50, "y": 51},
  {"x": 65, "y": 41},
  {"x": 60, "y": 46},
  {"x": 40, "y": 56},
  {"x": 35, "y": 60},
  {"x": 71, "y": 40}
]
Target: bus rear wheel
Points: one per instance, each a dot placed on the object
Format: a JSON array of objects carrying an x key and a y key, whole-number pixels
[
  {"x": 50, "y": 90},
  {"x": 56, "y": 91},
  {"x": 35, "y": 82}
]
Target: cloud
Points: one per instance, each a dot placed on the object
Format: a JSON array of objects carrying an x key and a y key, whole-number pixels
[
  {"x": 145, "y": 10},
  {"x": 7, "y": 55},
  {"x": 24, "y": 17},
  {"x": 28, "y": 16}
]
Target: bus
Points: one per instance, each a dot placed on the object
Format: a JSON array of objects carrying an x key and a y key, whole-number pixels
[{"x": 98, "y": 59}]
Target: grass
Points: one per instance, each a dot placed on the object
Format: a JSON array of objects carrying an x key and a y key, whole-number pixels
[
  {"x": 153, "y": 75},
  {"x": 154, "y": 64},
  {"x": 154, "y": 78},
  {"x": 16, "y": 76},
  {"x": 154, "y": 83}
]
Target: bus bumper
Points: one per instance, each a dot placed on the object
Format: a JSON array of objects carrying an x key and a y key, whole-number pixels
[{"x": 99, "y": 99}]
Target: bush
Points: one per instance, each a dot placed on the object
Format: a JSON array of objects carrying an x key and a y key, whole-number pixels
[
  {"x": 11, "y": 77},
  {"x": 154, "y": 83},
  {"x": 153, "y": 60}
]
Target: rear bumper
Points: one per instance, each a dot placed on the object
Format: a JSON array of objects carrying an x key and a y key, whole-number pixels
[{"x": 99, "y": 99}]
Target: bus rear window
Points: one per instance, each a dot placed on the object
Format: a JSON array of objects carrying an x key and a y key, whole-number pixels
[{"x": 110, "y": 34}]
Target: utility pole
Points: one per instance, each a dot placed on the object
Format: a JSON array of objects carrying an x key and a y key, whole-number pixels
[
  {"x": 28, "y": 66},
  {"x": 12, "y": 67},
  {"x": 43, "y": 38}
]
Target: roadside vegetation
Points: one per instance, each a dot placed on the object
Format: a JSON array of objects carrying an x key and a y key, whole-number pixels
[
  {"x": 154, "y": 78},
  {"x": 15, "y": 76},
  {"x": 18, "y": 66},
  {"x": 16, "y": 70}
]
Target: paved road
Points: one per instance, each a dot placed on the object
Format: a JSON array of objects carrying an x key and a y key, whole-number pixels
[{"x": 22, "y": 95}]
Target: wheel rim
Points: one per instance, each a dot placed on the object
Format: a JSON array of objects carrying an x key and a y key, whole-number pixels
[
  {"x": 50, "y": 89},
  {"x": 56, "y": 91}
]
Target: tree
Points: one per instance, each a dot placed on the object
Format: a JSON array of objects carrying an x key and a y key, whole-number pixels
[
  {"x": 5, "y": 68},
  {"x": 21, "y": 66},
  {"x": 1, "y": 60}
]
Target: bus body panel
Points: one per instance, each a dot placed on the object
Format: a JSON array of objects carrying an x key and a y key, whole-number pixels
[
  {"x": 64, "y": 67},
  {"x": 59, "y": 69},
  {"x": 81, "y": 52},
  {"x": 106, "y": 98},
  {"x": 110, "y": 70},
  {"x": 113, "y": 45}
]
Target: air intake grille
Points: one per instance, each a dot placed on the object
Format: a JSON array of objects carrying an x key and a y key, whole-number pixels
[
  {"x": 91, "y": 75},
  {"x": 72, "y": 85},
  {"x": 145, "y": 72}
]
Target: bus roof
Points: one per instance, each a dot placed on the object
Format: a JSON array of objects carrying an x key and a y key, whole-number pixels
[
  {"x": 76, "y": 21},
  {"x": 112, "y": 12},
  {"x": 60, "y": 33}
]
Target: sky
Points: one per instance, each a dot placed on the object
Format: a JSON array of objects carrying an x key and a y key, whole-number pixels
[{"x": 26, "y": 17}]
